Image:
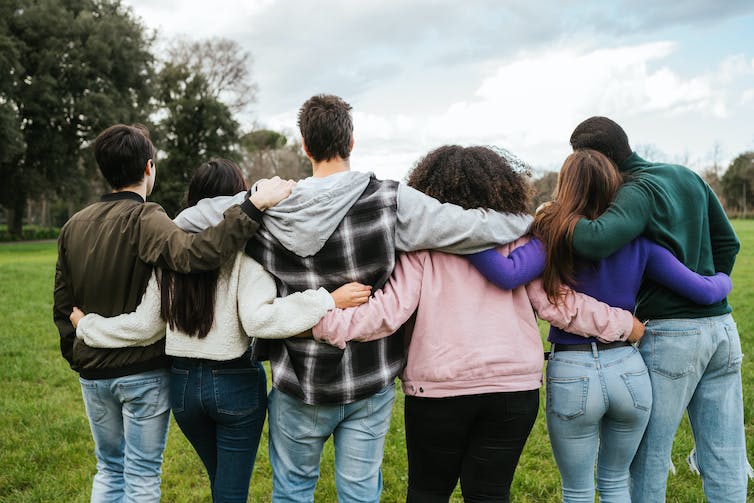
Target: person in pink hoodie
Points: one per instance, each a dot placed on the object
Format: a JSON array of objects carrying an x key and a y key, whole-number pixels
[{"x": 475, "y": 355}]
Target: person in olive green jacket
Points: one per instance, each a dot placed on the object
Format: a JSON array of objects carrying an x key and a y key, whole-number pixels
[
  {"x": 693, "y": 352},
  {"x": 106, "y": 253}
]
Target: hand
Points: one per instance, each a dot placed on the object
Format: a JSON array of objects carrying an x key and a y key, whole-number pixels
[
  {"x": 351, "y": 295},
  {"x": 270, "y": 192},
  {"x": 637, "y": 332},
  {"x": 75, "y": 316}
]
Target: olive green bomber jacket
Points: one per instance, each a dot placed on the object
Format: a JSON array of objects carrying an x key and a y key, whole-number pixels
[{"x": 106, "y": 253}]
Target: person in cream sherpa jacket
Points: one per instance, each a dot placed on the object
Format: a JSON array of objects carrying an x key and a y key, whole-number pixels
[{"x": 218, "y": 392}]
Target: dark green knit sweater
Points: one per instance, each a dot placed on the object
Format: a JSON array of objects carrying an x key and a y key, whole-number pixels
[{"x": 674, "y": 207}]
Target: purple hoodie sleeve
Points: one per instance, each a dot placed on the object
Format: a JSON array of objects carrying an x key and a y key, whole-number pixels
[
  {"x": 521, "y": 266},
  {"x": 664, "y": 268}
]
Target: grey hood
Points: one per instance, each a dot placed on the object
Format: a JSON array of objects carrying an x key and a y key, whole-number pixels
[{"x": 304, "y": 221}]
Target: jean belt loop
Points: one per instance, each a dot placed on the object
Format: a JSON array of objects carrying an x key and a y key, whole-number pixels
[{"x": 595, "y": 353}]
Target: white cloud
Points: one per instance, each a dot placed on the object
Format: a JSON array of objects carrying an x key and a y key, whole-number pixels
[{"x": 531, "y": 103}]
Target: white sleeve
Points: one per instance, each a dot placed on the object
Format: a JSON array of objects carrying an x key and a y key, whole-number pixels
[
  {"x": 142, "y": 327},
  {"x": 207, "y": 212},
  {"x": 424, "y": 223},
  {"x": 265, "y": 315}
]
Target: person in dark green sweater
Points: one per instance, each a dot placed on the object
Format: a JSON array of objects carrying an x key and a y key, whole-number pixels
[{"x": 693, "y": 352}]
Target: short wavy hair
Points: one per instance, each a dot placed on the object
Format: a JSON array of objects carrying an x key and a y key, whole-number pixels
[
  {"x": 474, "y": 177},
  {"x": 326, "y": 127}
]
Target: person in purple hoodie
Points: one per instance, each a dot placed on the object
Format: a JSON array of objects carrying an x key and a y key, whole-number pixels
[{"x": 598, "y": 394}]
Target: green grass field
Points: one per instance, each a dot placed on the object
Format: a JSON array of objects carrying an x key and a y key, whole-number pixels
[{"x": 46, "y": 451}]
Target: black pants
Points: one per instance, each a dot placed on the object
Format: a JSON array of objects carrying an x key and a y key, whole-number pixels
[{"x": 477, "y": 438}]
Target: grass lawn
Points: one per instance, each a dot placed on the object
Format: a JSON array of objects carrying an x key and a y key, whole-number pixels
[{"x": 46, "y": 451}]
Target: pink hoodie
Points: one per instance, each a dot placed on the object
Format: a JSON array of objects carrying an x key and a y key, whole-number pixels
[{"x": 469, "y": 337}]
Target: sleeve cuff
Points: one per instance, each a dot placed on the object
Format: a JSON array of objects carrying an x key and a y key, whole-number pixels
[{"x": 252, "y": 211}]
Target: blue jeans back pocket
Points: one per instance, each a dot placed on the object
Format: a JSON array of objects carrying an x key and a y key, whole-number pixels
[
  {"x": 236, "y": 390},
  {"x": 566, "y": 396},
  {"x": 178, "y": 383},
  {"x": 674, "y": 351},
  {"x": 639, "y": 387}
]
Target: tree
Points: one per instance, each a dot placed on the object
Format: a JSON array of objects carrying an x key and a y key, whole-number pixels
[
  {"x": 196, "y": 127},
  {"x": 738, "y": 183},
  {"x": 69, "y": 69},
  {"x": 224, "y": 65},
  {"x": 544, "y": 187},
  {"x": 266, "y": 153}
]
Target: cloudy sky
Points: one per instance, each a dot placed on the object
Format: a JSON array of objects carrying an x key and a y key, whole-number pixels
[{"x": 679, "y": 76}]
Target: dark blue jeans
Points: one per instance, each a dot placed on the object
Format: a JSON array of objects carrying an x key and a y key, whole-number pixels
[{"x": 220, "y": 407}]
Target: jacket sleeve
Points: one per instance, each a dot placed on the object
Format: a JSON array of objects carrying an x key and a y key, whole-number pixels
[
  {"x": 265, "y": 315},
  {"x": 383, "y": 314},
  {"x": 664, "y": 268},
  {"x": 725, "y": 243},
  {"x": 207, "y": 212},
  {"x": 625, "y": 219},
  {"x": 581, "y": 314},
  {"x": 142, "y": 327},
  {"x": 63, "y": 303},
  {"x": 522, "y": 265},
  {"x": 165, "y": 245},
  {"x": 424, "y": 223}
]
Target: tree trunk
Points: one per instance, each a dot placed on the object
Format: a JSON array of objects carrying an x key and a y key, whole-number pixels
[{"x": 16, "y": 217}]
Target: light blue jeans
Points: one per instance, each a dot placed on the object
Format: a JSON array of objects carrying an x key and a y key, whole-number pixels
[
  {"x": 129, "y": 419},
  {"x": 298, "y": 433},
  {"x": 597, "y": 400},
  {"x": 694, "y": 365}
]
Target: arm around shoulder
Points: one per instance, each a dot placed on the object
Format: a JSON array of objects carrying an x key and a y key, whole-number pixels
[
  {"x": 581, "y": 314},
  {"x": 624, "y": 220},
  {"x": 425, "y": 223},
  {"x": 163, "y": 244},
  {"x": 265, "y": 315}
]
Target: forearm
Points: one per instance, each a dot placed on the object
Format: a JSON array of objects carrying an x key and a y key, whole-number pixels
[
  {"x": 100, "y": 332},
  {"x": 142, "y": 327},
  {"x": 580, "y": 314},
  {"x": 624, "y": 220},
  {"x": 207, "y": 212},
  {"x": 383, "y": 314},
  {"x": 424, "y": 223},
  {"x": 285, "y": 316},
  {"x": 522, "y": 265},
  {"x": 664, "y": 268},
  {"x": 165, "y": 245}
]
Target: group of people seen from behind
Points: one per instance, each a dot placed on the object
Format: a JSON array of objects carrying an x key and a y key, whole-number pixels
[{"x": 344, "y": 282}]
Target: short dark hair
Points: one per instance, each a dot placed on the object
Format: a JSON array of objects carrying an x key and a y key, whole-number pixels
[
  {"x": 122, "y": 153},
  {"x": 326, "y": 127},
  {"x": 472, "y": 177},
  {"x": 603, "y": 135}
]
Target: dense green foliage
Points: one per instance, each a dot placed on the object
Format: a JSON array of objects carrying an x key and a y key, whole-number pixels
[
  {"x": 46, "y": 445},
  {"x": 68, "y": 70},
  {"x": 738, "y": 184},
  {"x": 29, "y": 233}
]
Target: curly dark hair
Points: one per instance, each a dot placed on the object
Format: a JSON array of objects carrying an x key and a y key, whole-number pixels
[
  {"x": 472, "y": 177},
  {"x": 603, "y": 135},
  {"x": 326, "y": 127}
]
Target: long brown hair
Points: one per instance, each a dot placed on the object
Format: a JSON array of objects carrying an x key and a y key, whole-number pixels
[
  {"x": 188, "y": 300},
  {"x": 587, "y": 184}
]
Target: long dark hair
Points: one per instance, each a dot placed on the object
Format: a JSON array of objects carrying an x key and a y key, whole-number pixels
[
  {"x": 188, "y": 300},
  {"x": 587, "y": 183}
]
